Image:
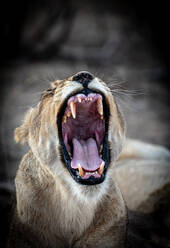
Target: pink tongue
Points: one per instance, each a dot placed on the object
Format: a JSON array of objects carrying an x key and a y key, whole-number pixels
[{"x": 85, "y": 153}]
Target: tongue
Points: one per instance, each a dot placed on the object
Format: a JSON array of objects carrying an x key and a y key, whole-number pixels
[{"x": 85, "y": 154}]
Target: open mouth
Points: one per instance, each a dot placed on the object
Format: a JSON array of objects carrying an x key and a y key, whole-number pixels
[{"x": 83, "y": 129}]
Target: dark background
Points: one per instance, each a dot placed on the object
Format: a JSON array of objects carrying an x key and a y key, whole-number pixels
[{"x": 124, "y": 42}]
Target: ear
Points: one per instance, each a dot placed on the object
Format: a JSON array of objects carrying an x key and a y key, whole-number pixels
[
  {"x": 55, "y": 83},
  {"x": 21, "y": 133}
]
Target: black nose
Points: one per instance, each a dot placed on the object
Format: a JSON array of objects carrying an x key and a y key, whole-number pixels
[{"x": 83, "y": 77}]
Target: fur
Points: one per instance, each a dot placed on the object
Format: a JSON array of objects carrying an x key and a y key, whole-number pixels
[{"x": 52, "y": 210}]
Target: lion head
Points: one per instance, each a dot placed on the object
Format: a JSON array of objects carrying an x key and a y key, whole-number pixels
[{"x": 76, "y": 129}]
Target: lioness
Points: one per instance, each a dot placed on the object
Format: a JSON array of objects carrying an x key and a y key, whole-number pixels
[{"x": 65, "y": 192}]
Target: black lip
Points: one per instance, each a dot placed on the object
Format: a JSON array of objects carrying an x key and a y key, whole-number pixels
[{"x": 105, "y": 153}]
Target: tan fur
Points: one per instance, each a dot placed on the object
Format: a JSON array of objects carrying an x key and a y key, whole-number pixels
[
  {"x": 49, "y": 203},
  {"x": 52, "y": 210}
]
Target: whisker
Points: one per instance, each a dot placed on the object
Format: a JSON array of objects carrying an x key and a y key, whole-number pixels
[
  {"x": 128, "y": 92},
  {"x": 125, "y": 97},
  {"x": 127, "y": 104},
  {"x": 116, "y": 82}
]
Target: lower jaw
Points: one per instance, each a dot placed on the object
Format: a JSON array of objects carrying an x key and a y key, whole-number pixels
[
  {"x": 88, "y": 181},
  {"x": 75, "y": 175}
]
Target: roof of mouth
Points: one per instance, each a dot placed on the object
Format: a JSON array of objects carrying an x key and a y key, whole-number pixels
[{"x": 83, "y": 129}]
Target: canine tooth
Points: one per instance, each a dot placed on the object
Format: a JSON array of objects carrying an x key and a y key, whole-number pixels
[
  {"x": 79, "y": 99},
  {"x": 100, "y": 170},
  {"x": 81, "y": 171},
  {"x": 73, "y": 109},
  {"x": 100, "y": 106}
]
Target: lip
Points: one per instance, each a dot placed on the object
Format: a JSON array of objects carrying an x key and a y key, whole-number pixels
[{"x": 66, "y": 159}]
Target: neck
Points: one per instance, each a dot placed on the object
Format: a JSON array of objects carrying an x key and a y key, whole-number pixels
[{"x": 58, "y": 209}]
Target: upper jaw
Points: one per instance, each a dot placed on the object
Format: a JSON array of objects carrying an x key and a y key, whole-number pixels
[{"x": 84, "y": 148}]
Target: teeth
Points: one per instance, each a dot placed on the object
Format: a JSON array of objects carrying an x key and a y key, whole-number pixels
[
  {"x": 64, "y": 120},
  {"x": 79, "y": 99},
  {"x": 73, "y": 109},
  {"x": 81, "y": 171},
  {"x": 90, "y": 173},
  {"x": 68, "y": 113},
  {"x": 100, "y": 170},
  {"x": 100, "y": 106}
]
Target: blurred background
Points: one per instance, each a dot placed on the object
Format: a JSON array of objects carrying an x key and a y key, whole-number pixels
[{"x": 126, "y": 43}]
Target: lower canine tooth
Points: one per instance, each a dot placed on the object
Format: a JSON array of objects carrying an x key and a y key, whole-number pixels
[
  {"x": 81, "y": 171},
  {"x": 73, "y": 109},
  {"x": 100, "y": 170}
]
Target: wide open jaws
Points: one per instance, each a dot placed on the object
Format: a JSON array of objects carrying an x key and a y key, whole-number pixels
[{"x": 83, "y": 131}]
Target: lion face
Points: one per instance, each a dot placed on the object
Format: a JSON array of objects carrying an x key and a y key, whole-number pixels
[{"x": 76, "y": 130}]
